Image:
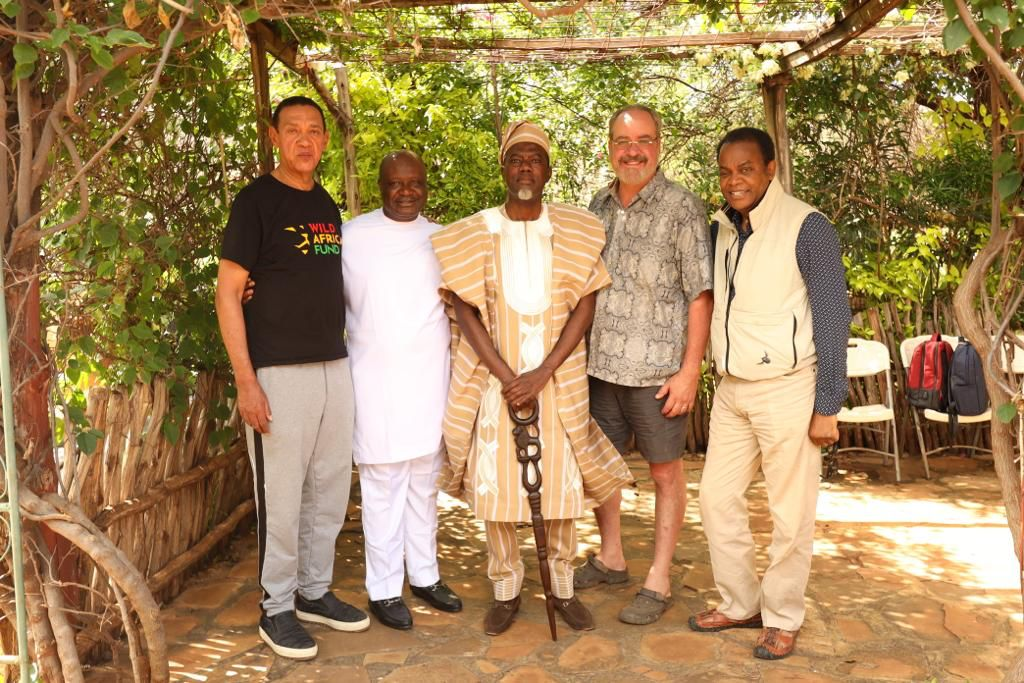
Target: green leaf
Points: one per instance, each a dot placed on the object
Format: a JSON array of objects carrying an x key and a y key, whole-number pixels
[
  {"x": 87, "y": 344},
  {"x": 87, "y": 442},
  {"x": 955, "y": 35},
  {"x": 25, "y": 53},
  {"x": 11, "y": 9},
  {"x": 996, "y": 14},
  {"x": 1006, "y": 413},
  {"x": 1014, "y": 38},
  {"x": 1008, "y": 184},
  {"x": 77, "y": 415},
  {"x": 103, "y": 59},
  {"x": 250, "y": 15},
  {"x": 108, "y": 235},
  {"x": 120, "y": 36},
  {"x": 23, "y": 70},
  {"x": 105, "y": 269},
  {"x": 59, "y": 36},
  {"x": 142, "y": 332},
  {"x": 170, "y": 430},
  {"x": 1003, "y": 163}
]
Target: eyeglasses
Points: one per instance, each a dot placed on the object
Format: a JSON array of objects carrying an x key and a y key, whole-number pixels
[{"x": 623, "y": 143}]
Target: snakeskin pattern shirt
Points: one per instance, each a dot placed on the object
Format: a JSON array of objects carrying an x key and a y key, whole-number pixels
[{"x": 658, "y": 253}]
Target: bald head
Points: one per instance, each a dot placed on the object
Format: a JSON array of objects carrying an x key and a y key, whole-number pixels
[{"x": 403, "y": 185}]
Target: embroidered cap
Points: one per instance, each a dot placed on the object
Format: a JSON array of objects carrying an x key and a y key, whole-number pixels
[{"x": 524, "y": 131}]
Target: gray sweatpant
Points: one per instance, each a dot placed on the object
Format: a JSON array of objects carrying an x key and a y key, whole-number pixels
[{"x": 302, "y": 471}]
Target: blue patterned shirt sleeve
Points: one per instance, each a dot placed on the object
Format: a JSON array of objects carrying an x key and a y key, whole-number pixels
[{"x": 821, "y": 265}]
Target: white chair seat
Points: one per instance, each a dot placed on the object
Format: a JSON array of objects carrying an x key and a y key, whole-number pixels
[
  {"x": 937, "y": 416},
  {"x": 875, "y": 412}
]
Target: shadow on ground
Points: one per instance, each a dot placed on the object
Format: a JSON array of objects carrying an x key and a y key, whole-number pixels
[{"x": 912, "y": 581}]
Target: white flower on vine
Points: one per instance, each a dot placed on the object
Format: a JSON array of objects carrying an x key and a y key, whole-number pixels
[
  {"x": 820, "y": 117},
  {"x": 770, "y": 67},
  {"x": 768, "y": 49},
  {"x": 748, "y": 56},
  {"x": 901, "y": 77},
  {"x": 861, "y": 87},
  {"x": 844, "y": 94},
  {"x": 703, "y": 58},
  {"x": 737, "y": 70}
]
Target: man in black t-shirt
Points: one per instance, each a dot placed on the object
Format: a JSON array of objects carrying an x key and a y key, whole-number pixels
[{"x": 290, "y": 361}]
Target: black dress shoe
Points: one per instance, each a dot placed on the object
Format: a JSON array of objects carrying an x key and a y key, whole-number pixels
[
  {"x": 392, "y": 612},
  {"x": 439, "y": 596}
]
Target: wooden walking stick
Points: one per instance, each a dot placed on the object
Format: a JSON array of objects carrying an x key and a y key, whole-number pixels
[{"x": 527, "y": 436}]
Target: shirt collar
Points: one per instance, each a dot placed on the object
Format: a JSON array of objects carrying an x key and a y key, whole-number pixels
[
  {"x": 651, "y": 189},
  {"x": 497, "y": 221}
]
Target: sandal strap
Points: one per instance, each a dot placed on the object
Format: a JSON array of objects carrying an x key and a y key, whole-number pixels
[{"x": 654, "y": 595}]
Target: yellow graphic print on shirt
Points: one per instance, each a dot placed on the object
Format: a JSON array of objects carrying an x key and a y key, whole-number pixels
[{"x": 322, "y": 237}]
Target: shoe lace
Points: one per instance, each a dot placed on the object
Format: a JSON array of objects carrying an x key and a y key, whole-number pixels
[{"x": 388, "y": 602}]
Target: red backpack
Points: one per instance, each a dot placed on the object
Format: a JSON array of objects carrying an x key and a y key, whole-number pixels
[{"x": 928, "y": 374}]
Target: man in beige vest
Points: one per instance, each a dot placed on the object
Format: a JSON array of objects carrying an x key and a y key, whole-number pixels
[{"x": 778, "y": 334}]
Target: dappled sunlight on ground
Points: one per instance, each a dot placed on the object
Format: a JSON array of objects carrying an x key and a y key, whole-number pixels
[{"x": 911, "y": 581}]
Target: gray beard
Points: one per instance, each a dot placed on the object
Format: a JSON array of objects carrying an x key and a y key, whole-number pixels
[{"x": 524, "y": 194}]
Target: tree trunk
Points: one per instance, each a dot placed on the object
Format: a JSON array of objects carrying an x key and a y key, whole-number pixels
[{"x": 968, "y": 317}]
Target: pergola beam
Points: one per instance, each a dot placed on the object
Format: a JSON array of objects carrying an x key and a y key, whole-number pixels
[
  {"x": 896, "y": 33},
  {"x": 858, "y": 22}
]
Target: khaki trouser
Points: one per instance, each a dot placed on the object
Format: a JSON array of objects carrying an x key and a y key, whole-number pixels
[
  {"x": 505, "y": 565},
  {"x": 762, "y": 423}
]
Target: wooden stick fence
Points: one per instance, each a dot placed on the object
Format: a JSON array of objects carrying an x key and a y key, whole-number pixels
[{"x": 165, "y": 504}]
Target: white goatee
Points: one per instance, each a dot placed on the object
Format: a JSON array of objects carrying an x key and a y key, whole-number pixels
[{"x": 524, "y": 194}]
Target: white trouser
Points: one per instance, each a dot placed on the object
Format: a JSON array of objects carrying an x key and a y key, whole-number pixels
[
  {"x": 400, "y": 524},
  {"x": 762, "y": 423}
]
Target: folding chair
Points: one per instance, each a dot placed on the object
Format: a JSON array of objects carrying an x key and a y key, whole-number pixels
[
  {"x": 907, "y": 347},
  {"x": 865, "y": 358}
]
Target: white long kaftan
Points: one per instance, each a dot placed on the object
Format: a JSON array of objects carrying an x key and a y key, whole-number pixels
[{"x": 398, "y": 337}]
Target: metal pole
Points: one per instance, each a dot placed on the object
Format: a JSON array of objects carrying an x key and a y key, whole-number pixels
[{"x": 11, "y": 468}]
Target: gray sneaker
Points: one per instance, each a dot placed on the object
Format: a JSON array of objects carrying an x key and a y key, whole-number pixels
[{"x": 331, "y": 611}]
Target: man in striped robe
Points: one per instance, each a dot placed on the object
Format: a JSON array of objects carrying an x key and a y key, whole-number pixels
[{"x": 520, "y": 282}]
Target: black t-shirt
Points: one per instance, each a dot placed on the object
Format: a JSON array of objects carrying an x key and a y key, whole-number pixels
[{"x": 290, "y": 242}]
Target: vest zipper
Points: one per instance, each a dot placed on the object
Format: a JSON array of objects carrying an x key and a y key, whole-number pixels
[
  {"x": 730, "y": 293},
  {"x": 794, "y": 340}
]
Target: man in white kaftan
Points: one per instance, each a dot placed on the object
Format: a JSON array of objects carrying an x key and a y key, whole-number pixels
[{"x": 398, "y": 338}]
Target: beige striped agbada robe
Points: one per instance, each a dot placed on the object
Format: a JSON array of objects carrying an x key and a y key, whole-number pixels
[{"x": 580, "y": 468}]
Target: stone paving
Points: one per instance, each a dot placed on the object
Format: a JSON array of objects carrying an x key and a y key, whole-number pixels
[{"x": 911, "y": 582}]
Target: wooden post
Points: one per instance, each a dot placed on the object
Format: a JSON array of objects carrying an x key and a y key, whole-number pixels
[
  {"x": 261, "y": 93},
  {"x": 497, "y": 103},
  {"x": 774, "y": 93},
  {"x": 348, "y": 132}
]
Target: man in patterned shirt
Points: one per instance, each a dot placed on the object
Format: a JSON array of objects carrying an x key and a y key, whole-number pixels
[{"x": 647, "y": 342}]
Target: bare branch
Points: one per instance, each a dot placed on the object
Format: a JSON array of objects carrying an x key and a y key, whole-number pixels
[
  {"x": 24, "y": 235},
  {"x": 997, "y": 61},
  {"x": 563, "y": 11},
  {"x": 83, "y": 184},
  {"x": 23, "y": 192}
]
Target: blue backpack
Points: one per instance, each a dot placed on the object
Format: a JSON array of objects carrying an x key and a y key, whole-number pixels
[{"x": 967, "y": 392}]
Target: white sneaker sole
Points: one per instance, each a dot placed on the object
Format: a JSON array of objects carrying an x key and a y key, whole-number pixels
[
  {"x": 346, "y": 626},
  {"x": 288, "y": 652}
]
